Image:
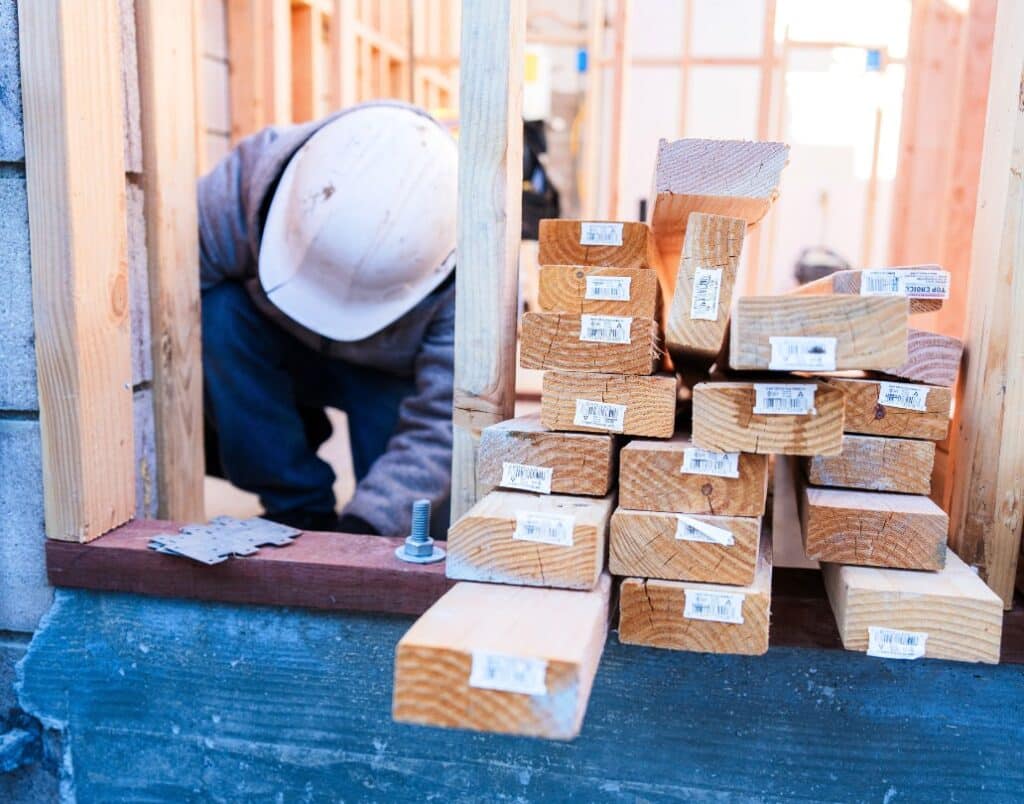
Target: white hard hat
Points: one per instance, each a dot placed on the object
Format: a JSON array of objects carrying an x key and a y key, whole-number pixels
[{"x": 361, "y": 227}]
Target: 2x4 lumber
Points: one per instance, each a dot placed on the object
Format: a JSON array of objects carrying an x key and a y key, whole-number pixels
[
  {"x": 598, "y": 290},
  {"x": 653, "y": 544},
  {"x": 505, "y": 659},
  {"x": 308, "y": 62},
  {"x": 169, "y": 164},
  {"x": 343, "y": 55},
  {"x": 960, "y": 617},
  {"x": 724, "y": 418},
  {"x": 671, "y": 614},
  {"x": 74, "y": 165},
  {"x": 521, "y": 453},
  {"x": 679, "y": 477},
  {"x": 904, "y": 410},
  {"x": 527, "y": 539},
  {"x": 601, "y": 403},
  {"x": 861, "y": 332},
  {"x": 851, "y": 282},
  {"x": 259, "y": 42},
  {"x": 698, "y": 318},
  {"x": 876, "y": 463},
  {"x": 787, "y": 538},
  {"x": 613, "y": 344},
  {"x": 488, "y": 233},
  {"x": 932, "y": 358},
  {"x": 617, "y": 244}
]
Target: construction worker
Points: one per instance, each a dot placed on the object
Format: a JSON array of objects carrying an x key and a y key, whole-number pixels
[{"x": 327, "y": 257}]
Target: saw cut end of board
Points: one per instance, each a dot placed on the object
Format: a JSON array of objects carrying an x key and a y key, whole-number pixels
[
  {"x": 932, "y": 358},
  {"x": 589, "y": 402},
  {"x": 722, "y": 168},
  {"x": 611, "y": 344},
  {"x": 599, "y": 290},
  {"x": 876, "y": 407},
  {"x": 619, "y": 244},
  {"x": 876, "y": 463},
  {"x": 851, "y": 281}
]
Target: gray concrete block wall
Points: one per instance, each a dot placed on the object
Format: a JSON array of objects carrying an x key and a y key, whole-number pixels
[{"x": 12, "y": 144}]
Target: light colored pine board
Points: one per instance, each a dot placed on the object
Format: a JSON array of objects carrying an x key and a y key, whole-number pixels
[
  {"x": 932, "y": 358},
  {"x": 872, "y": 528},
  {"x": 849, "y": 282},
  {"x": 876, "y": 463},
  {"x": 482, "y": 544},
  {"x": 644, "y": 544},
  {"x": 74, "y": 166},
  {"x": 308, "y": 62},
  {"x": 560, "y": 245},
  {"x": 870, "y": 331},
  {"x": 724, "y": 420},
  {"x": 712, "y": 242},
  {"x": 564, "y": 629},
  {"x": 650, "y": 401},
  {"x": 651, "y": 613},
  {"x": 651, "y": 479},
  {"x": 259, "y": 41},
  {"x": 787, "y": 538},
  {"x": 552, "y": 341},
  {"x": 962, "y": 617},
  {"x": 562, "y": 289},
  {"x": 864, "y": 413},
  {"x": 581, "y": 463}
]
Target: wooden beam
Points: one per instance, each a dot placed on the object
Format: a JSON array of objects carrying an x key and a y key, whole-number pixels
[
  {"x": 344, "y": 55},
  {"x": 608, "y": 344},
  {"x": 308, "y": 68},
  {"x": 876, "y": 463},
  {"x": 594, "y": 403},
  {"x": 74, "y": 165},
  {"x": 876, "y": 407},
  {"x": 621, "y": 65},
  {"x": 590, "y": 170},
  {"x": 259, "y": 52},
  {"x": 987, "y": 454},
  {"x": 611, "y": 243}
]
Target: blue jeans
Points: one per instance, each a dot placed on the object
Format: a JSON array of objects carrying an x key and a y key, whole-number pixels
[{"x": 257, "y": 378}]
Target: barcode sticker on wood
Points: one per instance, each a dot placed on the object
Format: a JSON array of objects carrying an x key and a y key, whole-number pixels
[
  {"x": 499, "y": 671},
  {"x": 605, "y": 415},
  {"x": 707, "y": 286},
  {"x": 802, "y": 354},
  {"x": 605, "y": 328},
  {"x": 600, "y": 234},
  {"x": 689, "y": 529},
  {"x": 545, "y": 528},
  {"x": 879, "y": 282},
  {"x": 787, "y": 400},
  {"x": 525, "y": 477},
  {"x": 891, "y": 643},
  {"x": 608, "y": 288},
  {"x": 903, "y": 395},
  {"x": 719, "y": 607},
  {"x": 920, "y": 283},
  {"x": 698, "y": 461}
]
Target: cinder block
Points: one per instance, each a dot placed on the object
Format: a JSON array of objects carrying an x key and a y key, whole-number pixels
[
  {"x": 130, "y": 89},
  {"x": 145, "y": 455},
  {"x": 12, "y": 138},
  {"x": 138, "y": 286},
  {"x": 17, "y": 335}
]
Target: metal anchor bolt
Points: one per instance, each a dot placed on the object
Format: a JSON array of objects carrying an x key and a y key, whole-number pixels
[{"x": 419, "y": 548}]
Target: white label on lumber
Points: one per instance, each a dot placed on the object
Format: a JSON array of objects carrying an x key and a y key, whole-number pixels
[
  {"x": 600, "y": 234},
  {"x": 707, "y": 285},
  {"x": 903, "y": 395},
  {"x": 719, "y": 607},
  {"x": 689, "y": 529},
  {"x": 891, "y": 643},
  {"x": 545, "y": 528},
  {"x": 698, "y": 461},
  {"x": 925, "y": 283},
  {"x": 525, "y": 477},
  {"x": 608, "y": 288},
  {"x": 791, "y": 400},
  {"x": 879, "y": 282},
  {"x": 606, "y": 415},
  {"x": 605, "y": 328},
  {"x": 802, "y": 354},
  {"x": 498, "y": 671}
]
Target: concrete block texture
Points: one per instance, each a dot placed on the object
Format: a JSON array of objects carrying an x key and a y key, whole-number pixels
[
  {"x": 12, "y": 137},
  {"x": 24, "y": 593},
  {"x": 145, "y": 455},
  {"x": 138, "y": 286},
  {"x": 17, "y": 334}
]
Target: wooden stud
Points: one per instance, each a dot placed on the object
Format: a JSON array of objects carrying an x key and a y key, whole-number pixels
[
  {"x": 868, "y": 413},
  {"x": 787, "y": 538},
  {"x": 849, "y": 282},
  {"x": 307, "y": 48},
  {"x": 932, "y": 358},
  {"x": 259, "y": 43},
  {"x": 563, "y": 242},
  {"x": 649, "y": 402},
  {"x": 617, "y": 291},
  {"x": 875, "y": 463},
  {"x": 621, "y": 65},
  {"x": 344, "y": 55},
  {"x": 590, "y": 171},
  {"x": 554, "y": 341}
]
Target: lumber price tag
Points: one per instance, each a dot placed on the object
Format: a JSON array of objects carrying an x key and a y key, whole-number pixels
[
  {"x": 891, "y": 643},
  {"x": 791, "y": 400},
  {"x": 721, "y": 607},
  {"x": 599, "y": 233},
  {"x": 925, "y": 283},
  {"x": 605, "y": 328},
  {"x": 698, "y": 461},
  {"x": 525, "y": 477},
  {"x": 606, "y": 415},
  {"x": 689, "y": 529},
  {"x": 499, "y": 671},
  {"x": 802, "y": 354},
  {"x": 707, "y": 287},
  {"x": 903, "y": 395},
  {"x": 609, "y": 288},
  {"x": 545, "y": 528}
]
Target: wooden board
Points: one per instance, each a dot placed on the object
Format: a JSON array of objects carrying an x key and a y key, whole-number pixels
[
  {"x": 561, "y": 631},
  {"x": 962, "y": 617},
  {"x": 870, "y": 332},
  {"x": 711, "y": 250},
  {"x": 651, "y": 479},
  {"x": 849, "y": 282},
  {"x": 560, "y": 245},
  {"x": 650, "y": 402},
  {"x": 652, "y": 612},
  {"x": 645, "y": 544},
  {"x": 875, "y": 463},
  {"x": 580, "y": 463},
  {"x": 872, "y": 528},
  {"x": 864, "y": 413},
  {"x": 493, "y": 541},
  {"x": 787, "y": 537},
  {"x": 552, "y": 341},
  {"x": 724, "y": 420},
  {"x": 932, "y": 359},
  {"x": 563, "y": 289}
]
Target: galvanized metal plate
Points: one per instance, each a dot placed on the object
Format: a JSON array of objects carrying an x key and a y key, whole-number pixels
[{"x": 222, "y": 538}]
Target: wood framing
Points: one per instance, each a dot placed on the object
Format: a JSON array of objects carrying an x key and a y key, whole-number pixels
[{"x": 259, "y": 40}]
